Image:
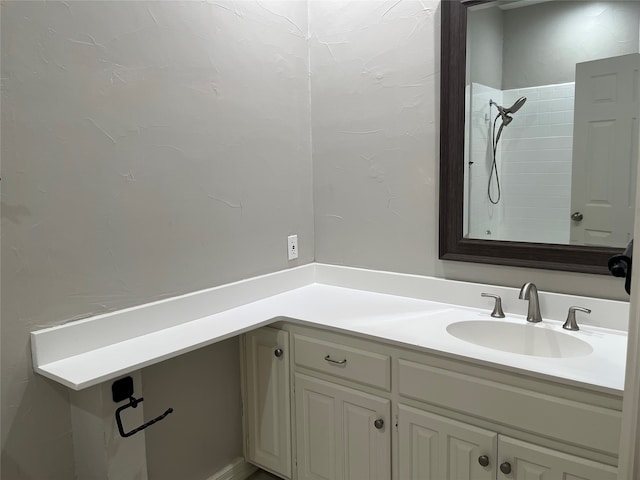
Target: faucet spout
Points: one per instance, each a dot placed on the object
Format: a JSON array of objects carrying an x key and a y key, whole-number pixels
[{"x": 530, "y": 292}]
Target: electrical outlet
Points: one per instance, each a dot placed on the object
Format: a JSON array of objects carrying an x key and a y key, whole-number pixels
[{"x": 292, "y": 247}]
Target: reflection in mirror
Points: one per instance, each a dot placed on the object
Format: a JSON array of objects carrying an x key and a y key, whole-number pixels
[{"x": 551, "y": 127}]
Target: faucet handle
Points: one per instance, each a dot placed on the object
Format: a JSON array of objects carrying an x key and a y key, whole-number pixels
[
  {"x": 571, "y": 323},
  {"x": 497, "y": 308}
]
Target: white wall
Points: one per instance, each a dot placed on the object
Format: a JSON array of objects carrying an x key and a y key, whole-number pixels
[{"x": 148, "y": 149}]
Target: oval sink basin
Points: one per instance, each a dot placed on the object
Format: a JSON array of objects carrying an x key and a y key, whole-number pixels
[{"x": 525, "y": 339}]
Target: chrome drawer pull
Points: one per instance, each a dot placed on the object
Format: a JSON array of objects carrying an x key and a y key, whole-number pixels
[{"x": 331, "y": 360}]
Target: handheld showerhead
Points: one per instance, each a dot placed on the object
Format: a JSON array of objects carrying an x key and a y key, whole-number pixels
[
  {"x": 505, "y": 112},
  {"x": 516, "y": 106},
  {"x": 505, "y": 115}
]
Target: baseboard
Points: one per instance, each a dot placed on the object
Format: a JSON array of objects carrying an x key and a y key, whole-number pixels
[{"x": 236, "y": 470}]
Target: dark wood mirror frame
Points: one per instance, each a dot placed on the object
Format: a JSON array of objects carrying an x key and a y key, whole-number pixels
[{"x": 453, "y": 245}]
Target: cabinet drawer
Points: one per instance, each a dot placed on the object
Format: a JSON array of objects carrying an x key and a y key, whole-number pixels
[
  {"x": 343, "y": 361},
  {"x": 565, "y": 420}
]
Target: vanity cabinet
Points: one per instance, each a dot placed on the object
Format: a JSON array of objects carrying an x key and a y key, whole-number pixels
[
  {"x": 342, "y": 433},
  {"x": 365, "y": 409},
  {"x": 433, "y": 447},
  {"x": 533, "y": 462},
  {"x": 267, "y": 412}
]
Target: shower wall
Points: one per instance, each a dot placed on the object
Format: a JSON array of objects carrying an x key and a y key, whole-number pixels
[
  {"x": 484, "y": 218},
  {"x": 534, "y": 164}
]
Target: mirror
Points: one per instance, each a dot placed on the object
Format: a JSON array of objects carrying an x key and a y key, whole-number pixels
[
  {"x": 508, "y": 192},
  {"x": 551, "y": 108}
]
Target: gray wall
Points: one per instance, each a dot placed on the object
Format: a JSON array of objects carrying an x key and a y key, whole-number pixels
[
  {"x": 148, "y": 149},
  {"x": 485, "y": 37},
  {"x": 151, "y": 149},
  {"x": 204, "y": 433},
  {"x": 374, "y": 74},
  {"x": 541, "y": 44},
  {"x": 544, "y": 42}
]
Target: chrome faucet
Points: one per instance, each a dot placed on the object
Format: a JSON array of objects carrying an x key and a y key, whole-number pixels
[{"x": 530, "y": 292}]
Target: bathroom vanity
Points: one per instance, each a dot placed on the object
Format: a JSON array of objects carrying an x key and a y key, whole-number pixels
[
  {"x": 358, "y": 374},
  {"x": 323, "y": 404}
]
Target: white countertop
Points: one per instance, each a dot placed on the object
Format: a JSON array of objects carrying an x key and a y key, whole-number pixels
[{"x": 85, "y": 353}]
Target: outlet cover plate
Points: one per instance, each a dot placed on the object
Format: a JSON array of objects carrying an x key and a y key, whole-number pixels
[{"x": 292, "y": 247}]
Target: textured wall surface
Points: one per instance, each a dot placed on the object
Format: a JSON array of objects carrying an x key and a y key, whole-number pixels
[
  {"x": 374, "y": 75},
  {"x": 148, "y": 149}
]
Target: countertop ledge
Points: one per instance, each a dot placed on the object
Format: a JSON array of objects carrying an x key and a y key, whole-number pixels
[{"x": 404, "y": 310}]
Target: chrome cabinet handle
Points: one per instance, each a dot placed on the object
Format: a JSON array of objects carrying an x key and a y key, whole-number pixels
[
  {"x": 278, "y": 352},
  {"x": 337, "y": 362},
  {"x": 505, "y": 468},
  {"x": 483, "y": 460},
  {"x": 577, "y": 216},
  {"x": 378, "y": 423}
]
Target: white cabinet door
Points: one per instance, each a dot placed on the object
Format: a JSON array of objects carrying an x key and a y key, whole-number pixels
[
  {"x": 342, "y": 434},
  {"x": 268, "y": 408},
  {"x": 431, "y": 447},
  {"x": 532, "y": 462}
]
